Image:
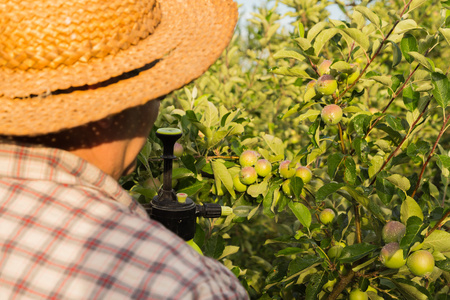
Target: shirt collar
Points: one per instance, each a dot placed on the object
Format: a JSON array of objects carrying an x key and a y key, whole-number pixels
[{"x": 30, "y": 162}]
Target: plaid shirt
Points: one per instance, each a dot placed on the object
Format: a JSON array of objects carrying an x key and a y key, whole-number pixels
[{"x": 69, "y": 231}]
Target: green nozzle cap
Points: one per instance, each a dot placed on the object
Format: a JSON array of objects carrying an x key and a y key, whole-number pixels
[
  {"x": 226, "y": 211},
  {"x": 169, "y": 131}
]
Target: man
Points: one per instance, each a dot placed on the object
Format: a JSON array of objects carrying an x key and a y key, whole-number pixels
[{"x": 80, "y": 83}]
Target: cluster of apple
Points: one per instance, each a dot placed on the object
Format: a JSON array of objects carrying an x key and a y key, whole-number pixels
[
  {"x": 288, "y": 171},
  {"x": 327, "y": 84},
  {"x": 419, "y": 262},
  {"x": 252, "y": 166}
]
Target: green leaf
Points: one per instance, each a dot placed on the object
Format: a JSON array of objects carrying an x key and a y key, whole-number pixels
[
  {"x": 405, "y": 26},
  {"x": 289, "y": 53},
  {"x": 364, "y": 201},
  {"x": 350, "y": 170},
  {"x": 438, "y": 240},
  {"x": 411, "y": 290},
  {"x": 214, "y": 246},
  {"x": 315, "y": 285},
  {"x": 257, "y": 189},
  {"x": 385, "y": 80},
  {"x": 301, "y": 212},
  {"x": 410, "y": 208},
  {"x": 315, "y": 30},
  {"x": 296, "y": 185},
  {"x": 181, "y": 173},
  {"x": 327, "y": 189},
  {"x": 445, "y": 33},
  {"x": 385, "y": 189},
  {"x": 277, "y": 273},
  {"x": 342, "y": 66},
  {"x": 415, "y": 4},
  {"x": 375, "y": 165},
  {"x": 410, "y": 98},
  {"x": 302, "y": 263},
  {"x": 333, "y": 163},
  {"x": 355, "y": 252},
  {"x": 397, "y": 57},
  {"x": 268, "y": 201},
  {"x": 275, "y": 144},
  {"x": 294, "y": 71},
  {"x": 399, "y": 181},
  {"x": 221, "y": 174},
  {"x": 444, "y": 265},
  {"x": 369, "y": 15},
  {"x": 322, "y": 38},
  {"x": 358, "y": 36},
  {"x": 425, "y": 62},
  {"x": 441, "y": 91},
  {"x": 414, "y": 227},
  {"x": 193, "y": 188}
]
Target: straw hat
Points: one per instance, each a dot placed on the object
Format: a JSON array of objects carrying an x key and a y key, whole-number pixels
[{"x": 64, "y": 63}]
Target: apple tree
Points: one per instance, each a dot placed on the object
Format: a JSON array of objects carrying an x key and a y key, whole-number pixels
[{"x": 330, "y": 141}]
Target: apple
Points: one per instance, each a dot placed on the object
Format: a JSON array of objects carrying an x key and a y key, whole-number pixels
[
  {"x": 326, "y": 216},
  {"x": 310, "y": 91},
  {"x": 248, "y": 175},
  {"x": 263, "y": 167},
  {"x": 391, "y": 256},
  {"x": 238, "y": 185},
  {"x": 420, "y": 262},
  {"x": 331, "y": 114},
  {"x": 178, "y": 149},
  {"x": 357, "y": 294},
  {"x": 324, "y": 67},
  {"x": 248, "y": 158},
  {"x": 285, "y": 170},
  {"x": 152, "y": 183},
  {"x": 336, "y": 250},
  {"x": 393, "y": 231},
  {"x": 326, "y": 85},
  {"x": 304, "y": 173}
]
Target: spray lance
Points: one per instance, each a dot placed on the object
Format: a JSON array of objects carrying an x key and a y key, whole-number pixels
[{"x": 177, "y": 212}]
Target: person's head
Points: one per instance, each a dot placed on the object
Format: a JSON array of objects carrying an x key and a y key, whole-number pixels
[{"x": 79, "y": 74}]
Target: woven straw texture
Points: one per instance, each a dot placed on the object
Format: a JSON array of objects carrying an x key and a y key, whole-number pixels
[{"x": 49, "y": 47}]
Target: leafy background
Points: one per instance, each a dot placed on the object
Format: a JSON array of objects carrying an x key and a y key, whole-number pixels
[{"x": 388, "y": 158}]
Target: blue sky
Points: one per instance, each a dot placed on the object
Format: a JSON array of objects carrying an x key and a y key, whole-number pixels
[{"x": 248, "y": 7}]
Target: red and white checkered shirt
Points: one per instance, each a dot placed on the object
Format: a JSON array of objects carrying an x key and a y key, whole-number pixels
[{"x": 69, "y": 231}]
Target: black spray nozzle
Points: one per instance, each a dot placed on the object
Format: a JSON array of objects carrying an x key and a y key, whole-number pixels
[{"x": 168, "y": 137}]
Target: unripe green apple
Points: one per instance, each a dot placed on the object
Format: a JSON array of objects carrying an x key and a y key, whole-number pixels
[
  {"x": 326, "y": 85},
  {"x": 178, "y": 149},
  {"x": 393, "y": 231},
  {"x": 263, "y": 167},
  {"x": 391, "y": 256},
  {"x": 248, "y": 158},
  {"x": 152, "y": 183},
  {"x": 357, "y": 294},
  {"x": 310, "y": 91},
  {"x": 238, "y": 185},
  {"x": 285, "y": 170},
  {"x": 324, "y": 67},
  {"x": 304, "y": 173},
  {"x": 331, "y": 114},
  {"x": 420, "y": 262},
  {"x": 248, "y": 175},
  {"x": 326, "y": 216},
  {"x": 336, "y": 250}
]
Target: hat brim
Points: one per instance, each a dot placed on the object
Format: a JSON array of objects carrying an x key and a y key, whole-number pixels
[{"x": 189, "y": 39}]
